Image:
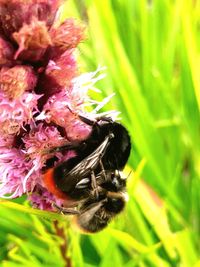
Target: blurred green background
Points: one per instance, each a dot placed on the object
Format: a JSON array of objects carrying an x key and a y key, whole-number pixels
[{"x": 152, "y": 53}]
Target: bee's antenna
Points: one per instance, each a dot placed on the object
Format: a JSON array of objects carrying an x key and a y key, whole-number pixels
[
  {"x": 129, "y": 174},
  {"x": 125, "y": 178}
]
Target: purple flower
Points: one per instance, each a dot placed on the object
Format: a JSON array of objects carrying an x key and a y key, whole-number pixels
[{"x": 40, "y": 96}]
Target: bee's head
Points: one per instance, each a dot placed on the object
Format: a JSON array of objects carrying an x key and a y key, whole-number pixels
[{"x": 114, "y": 181}]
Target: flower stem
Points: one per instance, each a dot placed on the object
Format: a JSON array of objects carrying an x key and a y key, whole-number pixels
[{"x": 64, "y": 246}]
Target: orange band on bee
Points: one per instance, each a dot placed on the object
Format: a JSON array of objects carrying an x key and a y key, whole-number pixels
[{"x": 51, "y": 186}]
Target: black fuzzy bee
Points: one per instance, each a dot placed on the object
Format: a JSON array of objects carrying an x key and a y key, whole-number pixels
[{"x": 92, "y": 180}]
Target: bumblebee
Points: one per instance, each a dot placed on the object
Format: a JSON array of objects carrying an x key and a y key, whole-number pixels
[{"x": 91, "y": 182}]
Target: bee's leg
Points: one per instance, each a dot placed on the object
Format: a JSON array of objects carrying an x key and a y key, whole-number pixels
[
  {"x": 65, "y": 211},
  {"x": 87, "y": 121},
  {"x": 102, "y": 168},
  {"x": 66, "y": 147},
  {"x": 104, "y": 118},
  {"x": 97, "y": 119},
  {"x": 94, "y": 184},
  {"x": 56, "y": 149}
]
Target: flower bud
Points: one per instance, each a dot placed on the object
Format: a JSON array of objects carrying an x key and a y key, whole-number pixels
[
  {"x": 66, "y": 36},
  {"x": 15, "y": 13},
  {"x": 16, "y": 80},
  {"x": 33, "y": 40}
]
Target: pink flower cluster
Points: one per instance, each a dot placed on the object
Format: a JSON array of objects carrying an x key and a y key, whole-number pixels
[{"x": 40, "y": 95}]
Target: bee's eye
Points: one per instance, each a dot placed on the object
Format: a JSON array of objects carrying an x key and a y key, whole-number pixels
[
  {"x": 112, "y": 175},
  {"x": 115, "y": 182},
  {"x": 118, "y": 183}
]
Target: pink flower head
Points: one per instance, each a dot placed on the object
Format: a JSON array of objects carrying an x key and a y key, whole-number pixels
[{"x": 41, "y": 96}]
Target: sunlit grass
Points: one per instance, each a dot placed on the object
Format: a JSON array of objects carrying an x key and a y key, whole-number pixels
[{"x": 151, "y": 50}]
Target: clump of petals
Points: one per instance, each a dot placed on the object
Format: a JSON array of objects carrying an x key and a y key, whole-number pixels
[
  {"x": 15, "y": 13},
  {"x": 33, "y": 40},
  {"x": 65, "y": 69},
  {"x": 40, "y": 140},
  {"x": 7, "y": 141},
  {"x": 16, "y": 80},
  {"x": 13, "y": 167},
  {"x": 6, "y": 52},
  {"x": 67, "y": 35},
  {"x": 58, "y": 74},
  {"x": 15, "y": 113}
]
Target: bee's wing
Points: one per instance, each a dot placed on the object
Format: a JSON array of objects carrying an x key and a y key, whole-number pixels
[
  {"x": 89, "y": 163},
  {"x": 77, "y": 181},
  {"x": 93, "y": 218}
]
